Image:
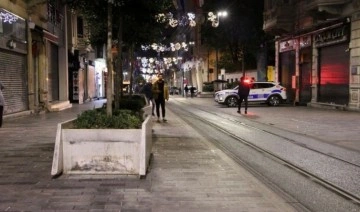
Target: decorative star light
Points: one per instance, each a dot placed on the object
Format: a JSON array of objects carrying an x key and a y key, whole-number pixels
[
  {"x": 161, "y": 18},
  {"x": 214, "y": 19},
  {"x": 154, "y": 46},
  {"x": 191, "y": 17},
  {"x": 177, "y": 46},
  {"x": 145, "y": 48},
  {"x": 8, "y": 17},
  {"x": 215, "y": 24},
  {"x": 173, "y": 22},
  {"x": 192, "y": 23}
]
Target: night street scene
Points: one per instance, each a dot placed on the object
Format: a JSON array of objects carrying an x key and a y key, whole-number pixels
[{"x": 179, "y": 105}]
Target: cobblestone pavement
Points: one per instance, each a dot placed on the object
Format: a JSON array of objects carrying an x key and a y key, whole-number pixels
[{"x": 187, "y": 172}]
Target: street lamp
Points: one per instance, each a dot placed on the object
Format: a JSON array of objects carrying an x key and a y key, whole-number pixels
[
  {"x": 222, "y": 13},
  {"x": 215, "y": 23}
]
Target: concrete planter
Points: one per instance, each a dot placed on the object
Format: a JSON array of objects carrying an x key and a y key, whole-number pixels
[{"x": 102, "y": 151}]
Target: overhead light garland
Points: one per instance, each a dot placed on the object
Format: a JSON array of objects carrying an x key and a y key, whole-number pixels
[
  {"x": 188, "y": 19},
  {"x": 172, "y": 46},
  {"x": 152, "y": 65}
]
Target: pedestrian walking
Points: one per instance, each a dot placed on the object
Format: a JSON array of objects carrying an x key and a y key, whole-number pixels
[
  {"x": 147, "y": 91},
  {"x": 160, "y": 93},
  {"x": 243, "y": 92},
  {"x": 2, "y": 103},
  {"x": 192, "y": 91},
  {"x": 186, "y": 89}
]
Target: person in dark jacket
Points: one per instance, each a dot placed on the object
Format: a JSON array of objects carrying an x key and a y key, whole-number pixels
[
  {"x": 243, "y": 92},
  {"x": 192, "y": 91},
  {"x": 186, "y": 89},
  {"x": 2, "y": 104},
  {"x": 147, "y": 91},
  {"x": 160, "y": 90}
]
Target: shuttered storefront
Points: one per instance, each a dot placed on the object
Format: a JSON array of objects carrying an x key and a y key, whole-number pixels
[
  {"x": 334, "y": 74},
  {"x": 13, "y": 76}
]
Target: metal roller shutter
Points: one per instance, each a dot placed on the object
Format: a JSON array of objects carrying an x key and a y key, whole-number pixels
[
  {"x": 334, "y": 74},
  {"x": 12, "y": 75}
]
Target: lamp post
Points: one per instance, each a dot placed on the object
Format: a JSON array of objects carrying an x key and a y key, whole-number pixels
[{"x": 219, "y": 14}]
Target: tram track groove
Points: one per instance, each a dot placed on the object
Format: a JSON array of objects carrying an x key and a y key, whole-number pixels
[
  {"x": 355, "y": 199},
  {"x": 280, "y": 136}
]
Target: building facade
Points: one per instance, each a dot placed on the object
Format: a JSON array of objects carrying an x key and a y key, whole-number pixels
[
  {"x": 34, "y": 53},
  {"x": 46, "y": 60},
  {"x": 317, "y": 50}
]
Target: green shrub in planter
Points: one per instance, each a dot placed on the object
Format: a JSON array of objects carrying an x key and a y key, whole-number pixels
[
  {"x": 98, "y": 119},
  {"x": 131, "y": 102},
  {"x": 208, "y": 88},
  {"x": 141, "y": 98}
]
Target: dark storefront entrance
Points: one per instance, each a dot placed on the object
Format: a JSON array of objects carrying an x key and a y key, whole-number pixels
[
  {"x": 305, "y": 76},
  {"x": 53, "y": 74},
  {"x": 334, "y": 62},
  {"x": 287, "y": 70},
  {"x": 334, "y": 74}
]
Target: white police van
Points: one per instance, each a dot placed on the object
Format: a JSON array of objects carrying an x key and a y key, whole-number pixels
[{"x": 271, "y": 93}]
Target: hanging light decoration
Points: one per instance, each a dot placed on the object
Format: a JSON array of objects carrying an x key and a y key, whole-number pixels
[
  {"x": 160, "y": 18},
  {"x": 7, "y": 17},
  {"x": 172, "y": 47},
  {"x": 189, "y": 19},
  {"x": 214, "y": 19},
  {"x": 177, "y": 46}
]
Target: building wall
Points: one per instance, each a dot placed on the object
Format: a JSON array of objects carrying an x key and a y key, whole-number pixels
[
  {"x": 307, "y": 25},
  {"x": 233, "y": 77},
  {"x": 354, "y": 101},
  {"x": 42, "y": 31}
]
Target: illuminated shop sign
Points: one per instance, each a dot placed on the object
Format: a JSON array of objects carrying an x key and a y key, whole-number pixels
[
  {"x": 287, "y": 45},
  {"x": 332, "y": 36},
  {"x": 305, "y": 41}
]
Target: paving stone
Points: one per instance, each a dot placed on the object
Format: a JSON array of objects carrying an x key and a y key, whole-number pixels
[{"x": 186, "y": 174}]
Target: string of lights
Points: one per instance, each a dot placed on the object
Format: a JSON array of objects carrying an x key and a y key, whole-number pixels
[
  {"x": 188, "y": 19},
  {"x": 171, "y": 47}
]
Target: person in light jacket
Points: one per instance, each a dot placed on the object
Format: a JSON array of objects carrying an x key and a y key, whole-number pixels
[
  {"x": 160, "y": 90},
  {"x": 2, "y": 104}
]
